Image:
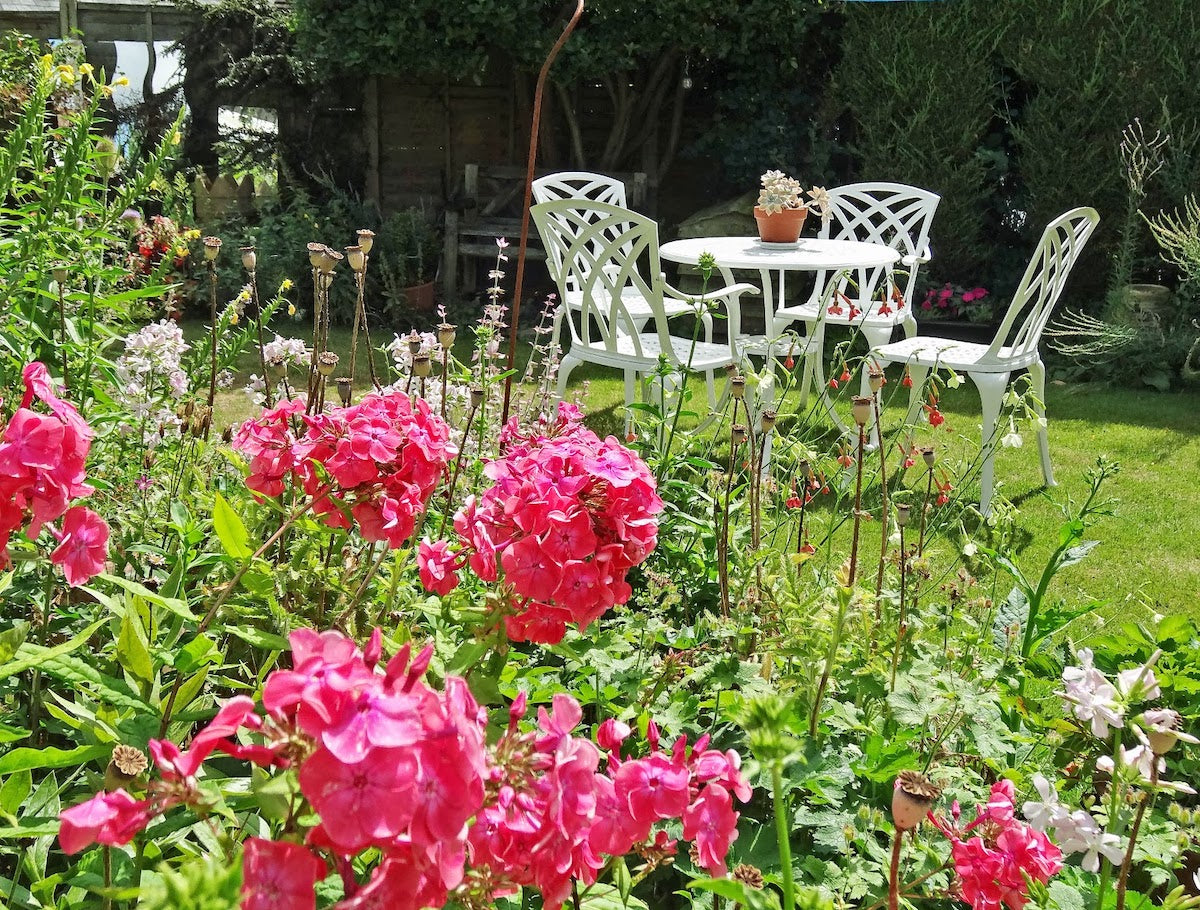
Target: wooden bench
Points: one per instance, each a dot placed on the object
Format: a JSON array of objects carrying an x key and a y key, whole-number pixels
[{"x": 489, "y": 206}]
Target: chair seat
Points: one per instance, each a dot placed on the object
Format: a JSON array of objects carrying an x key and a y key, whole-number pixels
[
  {"x": 705, "y": 356},
  {"x": 929, "y": 351},
  {"x": 811, "y": 312},
  {"x": 635, "y": 304}
]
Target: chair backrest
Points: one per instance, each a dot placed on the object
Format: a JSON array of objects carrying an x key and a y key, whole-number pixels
[
  {"x": 1043, "y": 282},
  {"x": 606, "y": 252},
  {"x": 891, "y": 214},
  {"x": 578, "y": 186}
]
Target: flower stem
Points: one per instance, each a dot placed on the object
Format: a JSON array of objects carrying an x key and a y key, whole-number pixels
[
  {"x": 857, "y": 507},
  {"x": 1127, "y": 862},
  {"x": 884, "y": 525},
  {"x": 212, "y": 376},
  {"x": 783, "y": 836},
  {"x": 894, "y": 875}
]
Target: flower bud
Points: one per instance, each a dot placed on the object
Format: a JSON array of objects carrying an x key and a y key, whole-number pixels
[
  {"x": 446, "y": 335},
  {"x": 327, "y": 363},
  {"x": 861, "y": 409},
  {"x": 366, "y": 240},
  {"x": 912, "y": 798},
  {"x": 738, "y": 434},
  {"x": 249, "y": 259},
  {"x": 422, "y": 366},
  {"x": 212, "y": 246},
  {"x": 768, "y": 421},
  {"x": 356, "y": 258}
]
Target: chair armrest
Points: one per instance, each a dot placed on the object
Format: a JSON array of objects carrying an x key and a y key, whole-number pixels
[
  {"x": 729, "y": 291},
  {"x": 918, "y": 258}
]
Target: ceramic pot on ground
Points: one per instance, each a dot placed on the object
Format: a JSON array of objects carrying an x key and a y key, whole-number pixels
[
  {"x": 420, "y": 296},
  {"x": 780, "y": 227}
]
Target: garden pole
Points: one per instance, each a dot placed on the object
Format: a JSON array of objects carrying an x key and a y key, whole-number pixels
[{"x": 535, "y": 122}]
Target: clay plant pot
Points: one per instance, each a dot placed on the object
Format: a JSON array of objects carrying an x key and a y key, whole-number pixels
[
  {"x": 420, "y": 296},
  {"x": 780, "y": 227}
]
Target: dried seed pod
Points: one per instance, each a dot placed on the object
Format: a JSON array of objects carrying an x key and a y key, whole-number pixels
[
  {"x": 768, "y": 421},
  {"x": 343, "y": 387},
  {"x": 126, "y": 764},
  {"x": 737, "y": 387},
  {"x": 476, "y": 397},
  {"x": 60, "y": 274},
  {"x": 861, "y": 409},
  {"x": 366, "y": 240},
  {"x": 446, "y": 335},
  {"x": 212, "y": 247},
  {"x": 327, "y": 363},
  {"x": 929, "y": 455},
  {"x": 356, "y": 258},
  {"x": 738, "y": 434},
  {"x": 912, "y": 798},
  {"x": 249, "y": 258},
  {"x": 316, "y": 254},
  {"x": 875, "y": 378},
  {"x": 903, "y": 514},
  {"x": 422, "y": 366}
]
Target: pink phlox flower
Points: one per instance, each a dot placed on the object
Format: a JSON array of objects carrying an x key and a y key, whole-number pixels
[
  {"x": 437, "y": 565},
  {"x": 362, "y": 803},
  {"x": 82, "y": 545},
  {"x": 711, "y": 823},
  {"x": 278, "y": 875},
  {"x": 111, "y": 819},
  {"x": 653, "y": 788},
  {"x": 612, "y": 733},
  {"x": 559, "y": 723}
]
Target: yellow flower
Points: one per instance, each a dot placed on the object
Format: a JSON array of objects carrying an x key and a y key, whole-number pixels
[
  {"x": 85, "y": 69},
  {"x": 233, "y": 318},
  {"x": 286, "y": 284},
  {"x": 176, "y": 137},
  {"x": 181, "y": 252},
  {"x": 291, "y": 309},
  {"x": 191, "y": 234},
  {"x": 120, "y": 82}
]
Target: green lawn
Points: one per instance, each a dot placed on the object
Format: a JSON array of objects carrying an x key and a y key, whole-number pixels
[{"x": 1149, "y": 557}]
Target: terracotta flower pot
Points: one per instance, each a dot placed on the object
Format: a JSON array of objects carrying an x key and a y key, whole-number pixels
[
  {"x": 420, "y": 296},
  {"x": 780, "y": 227}
]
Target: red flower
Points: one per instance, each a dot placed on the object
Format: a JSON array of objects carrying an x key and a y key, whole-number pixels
[
  {"x": 437, "y": 565},
  {"x": 83, "y": 545},
  {"x": 111, "y": 819},
  {"x": 906, "y": 382}
]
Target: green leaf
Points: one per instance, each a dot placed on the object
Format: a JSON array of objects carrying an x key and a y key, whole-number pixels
[
  {"x": 50, "y": 757},
  {"x": 199, "y": 652},
  {"x": 12, "y": 639},
  {"x": 178, "y": 607},
  {"x": 11, "y": 734},
  {"x": 31, "y": 655},
  {"x": 133, "y": 653},
  {"x": 1077, "y": 553},
  {"x": 17, "y": 786},
  {"x": 622, "y": 879},
  {"x": 18, "y": 832},
  {"x": 601, "y": 896},
  {"x": 230, "y": 530},
  {"x": 268, "y": 641}
]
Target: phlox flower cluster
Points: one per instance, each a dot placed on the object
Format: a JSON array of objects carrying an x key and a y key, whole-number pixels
[
  {"x": 392, "y": 766},
  {"x": 996, "y": 855},
  {"x": 42, "y": 469},
  {"x": 150, "y": 375},
  {"x": 383, "y": 458},
  {"x": 1100, "y": 702},
  {"x": 568, "y": 515},
  {"x": 280, "y": 355},
  {"x": 1075, "y": 832},
  {"x": 557, "y": 809}
]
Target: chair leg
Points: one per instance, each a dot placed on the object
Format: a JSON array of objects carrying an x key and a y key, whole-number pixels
[
  {"x": 710, "y": 382},
  {"x": 1037, "y": 372},
  {"x": 991, "y": 395},
  {"x": 565, "y": 366},
  {"x": 630, "y": 397},
  {"x": 877, "y": 337}
]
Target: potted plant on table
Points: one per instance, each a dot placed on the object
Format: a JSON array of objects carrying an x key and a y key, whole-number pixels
[{"x": 781, "y": 209}]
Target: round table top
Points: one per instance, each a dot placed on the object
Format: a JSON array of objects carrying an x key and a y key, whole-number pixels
[{"x": 809, "y": 254}]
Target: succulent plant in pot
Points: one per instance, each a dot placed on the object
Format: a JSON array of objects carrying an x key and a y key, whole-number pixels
[{"x": 781, "y": 208}]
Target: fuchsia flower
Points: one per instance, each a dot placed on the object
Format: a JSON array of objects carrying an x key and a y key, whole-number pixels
[
  {"x": 567, "y": 517},
  {"x": 996, "y": 856},
  {"x": 42, "y": 469},
  {"x": 278, "y": 875},
  {"x": 383, "y": 458}
]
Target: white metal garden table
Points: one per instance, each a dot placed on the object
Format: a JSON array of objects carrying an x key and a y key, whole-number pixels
[{"x": 823, "y": 257}]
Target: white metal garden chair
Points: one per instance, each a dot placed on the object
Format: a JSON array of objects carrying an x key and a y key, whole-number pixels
[
  {"x": 587, "y": 186},
  {"x": 1015, "y": 346},
  {"x": 610, "y": 254},
  {"x": 891, "y": 214}
]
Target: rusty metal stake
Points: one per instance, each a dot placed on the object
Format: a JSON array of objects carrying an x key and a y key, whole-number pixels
[{"x": 535, "y": 122}]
